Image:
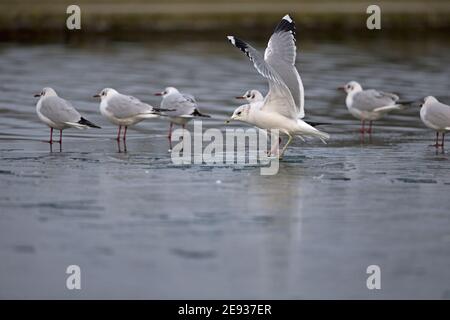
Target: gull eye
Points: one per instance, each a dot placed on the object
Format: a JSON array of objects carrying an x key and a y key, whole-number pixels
[
  {"x": 239, "y": 113},
  {"x": 253, "y": 96}
]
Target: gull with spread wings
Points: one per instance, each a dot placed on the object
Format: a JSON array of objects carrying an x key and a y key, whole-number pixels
[{"x": 283, "y": 106}]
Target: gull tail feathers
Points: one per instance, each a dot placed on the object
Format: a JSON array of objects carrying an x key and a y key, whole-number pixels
[
  {"x": 85, "y": 122},
  {"x": 197, "y": 113},
  {"x": 150, "y": 115},
  {"x": 390, "y": 108},
  {"x": 306, "y": 129},
  {"x": 76, "y": 125}
]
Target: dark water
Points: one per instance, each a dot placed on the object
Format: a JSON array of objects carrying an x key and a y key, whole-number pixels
[{"x": 141, "y": 227}]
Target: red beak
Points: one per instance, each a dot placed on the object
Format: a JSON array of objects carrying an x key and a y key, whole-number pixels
[
  {"x": 158, "y": 94},
  {"x": 240, "y": 97},
  {"x": 341, "y": 88}
]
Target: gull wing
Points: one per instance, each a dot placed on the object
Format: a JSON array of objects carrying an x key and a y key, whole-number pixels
[
  {"x": 279, "y": 99},
  {"x": 438, "y": 114},
  {"x": 280, "y": 54},
  {"x": 368, "y": 100},
  {"x": 59, "y": 110},
  {"x": 123, "y": 106},
  {"x": 180, "y": 105}
]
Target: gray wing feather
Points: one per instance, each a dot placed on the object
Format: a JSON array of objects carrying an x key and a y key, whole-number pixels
[
  {"x": 439, "y": 115},
  {"x": 280, "y": 54},
  {"x": 59, "y": 110},
  {"x": 368, "y": 100},
  {"x": 278, "y": 91},
  {"x": 122, "y": 106},
  {"x": 179, "y": 104}
]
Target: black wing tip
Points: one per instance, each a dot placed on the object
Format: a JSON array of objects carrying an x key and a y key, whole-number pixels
[
  {"x": 85, "y": 122},
  {"x": 315, "y": 124},
  {"x": 286, "y": 25},
  {"x": 238, "y": 43},
  {"x": 197, "y": 113}
]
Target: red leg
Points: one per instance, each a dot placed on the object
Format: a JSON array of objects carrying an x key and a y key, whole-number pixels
[
  {"x": 170, "y": 131},
  {"x": 51, "y": 136},
  {"x": 118, "y": 133},
  {"x": 362, "y": 130},
  {"x": 169, "y": 136},
  {"x": 275, "y": 148},
  {"x": 60, "y": 136},
  {"x": 125, "y": 133},
  {"x": 184, "y": 126},
  {"x": 370, "y": 127},
  {"x": 437, "y": 140},
  {"x": 443, "y": 139}
]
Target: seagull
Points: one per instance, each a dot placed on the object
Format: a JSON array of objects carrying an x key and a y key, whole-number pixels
[
  {"x": 370, "y": 105},
  {"x": 58, "y": 113},
  {"x": 255, "y": 96},
  {"x": 179, "y": 107},
  {"x": 123, "y": 110},
  {"x": 436, "y": 115},
  {"x": 283, "y": 106},
  {"x": 252, "y": 96}
]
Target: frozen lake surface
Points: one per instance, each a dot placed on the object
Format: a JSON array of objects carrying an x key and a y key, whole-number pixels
[{"x": 141, "y": 227}]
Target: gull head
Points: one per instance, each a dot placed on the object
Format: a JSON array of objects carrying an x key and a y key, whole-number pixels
[
  {"x": 429, "y": 100},
  {"x": 105, "y": 93},
  {"x": 252, "y": 96},
  {"x": 351, "y": 87},
  {"x": 46, "y": 92},
  {"x": 167, "y": 91},
  {"x": 241, "y": 114}
]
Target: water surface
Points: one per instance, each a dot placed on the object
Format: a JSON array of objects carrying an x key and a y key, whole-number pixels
[{"x": 141, "y": 227}]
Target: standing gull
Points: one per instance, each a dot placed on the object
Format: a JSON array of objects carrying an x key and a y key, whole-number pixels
[
  {"x": 369, "y": 105},
  {"x": 123, "y": 110},
  {"x": 436, "y": 115},
  {"x": 283, "y": 107},
  {"x": 179, "y": 107},
  {"x": 58, "y": 113}
]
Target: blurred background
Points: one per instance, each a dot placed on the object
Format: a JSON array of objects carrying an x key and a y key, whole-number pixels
[{"x": 25, "y": 19}]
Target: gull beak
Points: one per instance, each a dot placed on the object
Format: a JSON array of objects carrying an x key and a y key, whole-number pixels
[
  {"x": 37, "y": 95},
  {"x": 229, "y": 120},
  {"x": 241, "y": 97},
  {"x": 158, "y": 94},
  {"x": 341, "y": 88},
  {"x": 96, "y": 95}
]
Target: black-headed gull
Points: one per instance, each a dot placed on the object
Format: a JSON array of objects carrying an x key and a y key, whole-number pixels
[
  {"x": 283, "y": 107},
  {"x": 370, "y": 105},
  {"x": 255, "y": 96},
  {"x": 58, "y": 113},
  {"x": 123, "y": 110},
  {"x": 179, "y": 107},
  {"x": 252, "y": 96},
  {"x": 436, "y": 115}
]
